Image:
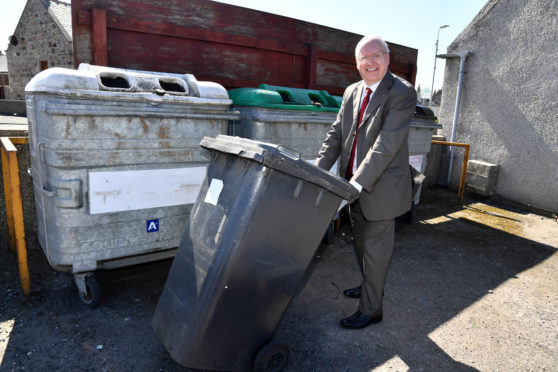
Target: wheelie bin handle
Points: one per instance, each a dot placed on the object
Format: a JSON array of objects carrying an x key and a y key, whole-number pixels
[{"x": 295, "y": 155}]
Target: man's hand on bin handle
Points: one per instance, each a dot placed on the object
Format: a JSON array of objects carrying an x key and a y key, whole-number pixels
[{"x": 345, "y": 202}]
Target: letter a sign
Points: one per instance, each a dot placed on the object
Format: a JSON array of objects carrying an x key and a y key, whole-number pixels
[{"x": 152, "y": 225}]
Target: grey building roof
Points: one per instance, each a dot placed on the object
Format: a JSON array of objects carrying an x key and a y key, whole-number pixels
[{"x": 61, "y": 13}]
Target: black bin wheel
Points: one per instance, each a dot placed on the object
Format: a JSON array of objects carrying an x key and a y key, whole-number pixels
[
  {"x": 92, "y": 297},
  {"x": 330, "y": 234},
  {"x": 272, "y": 357}
]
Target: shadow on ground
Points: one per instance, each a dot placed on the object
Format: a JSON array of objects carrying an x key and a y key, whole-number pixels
[{"x": 440, "y": 268}]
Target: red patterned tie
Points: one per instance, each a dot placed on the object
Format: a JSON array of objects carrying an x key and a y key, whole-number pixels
[{"x": 350, "y": 166}]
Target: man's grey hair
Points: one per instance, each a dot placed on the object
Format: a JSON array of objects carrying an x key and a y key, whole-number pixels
[{"x": 367, "y": 39}]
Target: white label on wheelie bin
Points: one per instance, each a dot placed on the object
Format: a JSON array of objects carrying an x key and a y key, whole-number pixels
[
  {"x": 215, "y": 187},
  {"x": 140, "y": 189}
]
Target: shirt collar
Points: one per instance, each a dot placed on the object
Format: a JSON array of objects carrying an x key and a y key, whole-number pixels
[{"x": 374, "y": 86}]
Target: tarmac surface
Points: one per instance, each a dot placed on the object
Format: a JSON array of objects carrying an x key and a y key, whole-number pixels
[{"x": 470, "y": 288}]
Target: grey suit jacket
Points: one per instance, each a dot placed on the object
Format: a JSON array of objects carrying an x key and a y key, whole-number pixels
[{"x": 382, "y": 148}]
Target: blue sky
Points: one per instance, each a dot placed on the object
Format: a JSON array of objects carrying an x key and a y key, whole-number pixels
[{"x": 407, "y": 22}]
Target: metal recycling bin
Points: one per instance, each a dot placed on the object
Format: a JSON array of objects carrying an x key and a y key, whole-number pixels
[
  {"x": 116, "y": 164},
  {"x": 423, "y": 127},
  {"x": 296, "y": 118},
  {"x": 258, "y": 220}
]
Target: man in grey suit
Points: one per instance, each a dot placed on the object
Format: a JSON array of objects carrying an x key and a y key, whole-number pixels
[{"x": 377, "y": 164}]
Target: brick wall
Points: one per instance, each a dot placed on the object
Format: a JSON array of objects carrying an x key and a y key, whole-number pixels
[{"x": 40, "y": 39}]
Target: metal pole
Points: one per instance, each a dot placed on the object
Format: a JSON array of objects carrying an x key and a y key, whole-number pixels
[
  {"x": 467, "y": 147},
  {"x": 434, "y": 72},
  {"x": 463, "y": 56},
  {"x": 14, "y": 209}
]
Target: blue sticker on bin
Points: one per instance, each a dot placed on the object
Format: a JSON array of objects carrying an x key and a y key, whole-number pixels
[{"x": 152, "y": 225}]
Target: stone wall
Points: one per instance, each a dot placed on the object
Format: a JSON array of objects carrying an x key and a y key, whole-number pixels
[{"x": 39, "y": 39}]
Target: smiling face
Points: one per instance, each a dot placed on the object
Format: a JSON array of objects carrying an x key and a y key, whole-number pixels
[{"x": 372, "y": 62}]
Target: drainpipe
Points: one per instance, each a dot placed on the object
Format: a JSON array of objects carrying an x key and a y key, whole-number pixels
[{"x": 463, "y": 56}]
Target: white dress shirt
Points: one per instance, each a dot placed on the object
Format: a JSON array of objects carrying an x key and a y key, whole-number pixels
[{"x": 373, "y": 88}]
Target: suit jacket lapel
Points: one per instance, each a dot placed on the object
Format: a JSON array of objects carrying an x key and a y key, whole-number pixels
[
  {"x": 357, "y": 94},
  {"x": 356, "y": 103},
  {"x": 378, "y": 97}
]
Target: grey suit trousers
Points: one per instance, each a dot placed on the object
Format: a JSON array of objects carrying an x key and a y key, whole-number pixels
[{"x": 373, "y": 241}]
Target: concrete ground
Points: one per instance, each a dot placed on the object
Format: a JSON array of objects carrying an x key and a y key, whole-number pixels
[{"x": 470, "y": 288}]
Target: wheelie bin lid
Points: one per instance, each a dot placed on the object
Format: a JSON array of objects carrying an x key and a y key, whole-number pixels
[{"x": 281, "y": 159}]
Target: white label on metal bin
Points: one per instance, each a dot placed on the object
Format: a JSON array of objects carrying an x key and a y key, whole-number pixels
[
  {"x": 118, "y": 191},
  {"x": 214, "y": 191}
]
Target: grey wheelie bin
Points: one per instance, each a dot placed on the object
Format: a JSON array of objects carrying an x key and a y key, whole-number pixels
[
  {"x": 258, "y": 219},
  {"x": 116, "y": 164}
]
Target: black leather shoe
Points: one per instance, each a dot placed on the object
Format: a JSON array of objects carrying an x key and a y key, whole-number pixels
[
  {"x": 359, "y": 320},
  {"x": 352, "y": 292}
]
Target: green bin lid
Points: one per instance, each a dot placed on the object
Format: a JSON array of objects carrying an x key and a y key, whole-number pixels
[
  {"x": 284, "y": 98},
  {"x": 339, "y": 100}
]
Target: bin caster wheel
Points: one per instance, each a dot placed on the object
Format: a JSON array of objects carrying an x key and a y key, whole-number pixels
[
  {"x": 272, "y": 357},
  {"x": 89, "y": 289}
]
